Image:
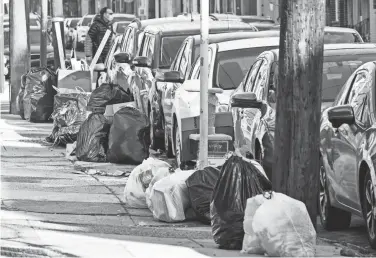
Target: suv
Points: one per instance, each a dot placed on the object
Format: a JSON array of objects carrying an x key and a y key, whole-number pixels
[
  {"x": 162, "y": 94},
  {"x": 158, "y": 49}
]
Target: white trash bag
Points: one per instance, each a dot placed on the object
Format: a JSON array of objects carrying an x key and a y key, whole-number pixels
[
  {"x": 251, "y": 242},
  {"x": 161, "y": 173},
  {"x": 139, "y": 180},
  {"x": 284, "y": 228},
  {"x": 169, "y": 197}
]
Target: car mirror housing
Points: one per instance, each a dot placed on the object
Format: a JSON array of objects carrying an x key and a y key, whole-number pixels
[
  {"x": 142, "y": 61},
  {"x": 246, "y": 100},
  {"x": 170, "y": 76},
  {"x": 122, "y": 58},
  {"x": 340, "y": 115}
]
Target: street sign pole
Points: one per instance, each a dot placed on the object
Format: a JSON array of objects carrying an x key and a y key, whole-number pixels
[
  {"x": 2, "y": 79},
  {"x": 204, "y": 80},
  {"x": 58, "y": 33},
  {"x": 43, "y": 34}
]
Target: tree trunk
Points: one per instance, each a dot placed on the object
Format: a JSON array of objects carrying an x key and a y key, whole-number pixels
[
  {"x": 296, "y": 156},
  {"x": 19, "y": 54}
]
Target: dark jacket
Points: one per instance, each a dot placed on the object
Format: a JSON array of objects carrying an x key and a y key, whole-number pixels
[{"x": 96, "y": 34}]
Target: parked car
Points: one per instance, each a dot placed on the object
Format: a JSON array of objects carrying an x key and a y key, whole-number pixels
[
  {"x": 82, "y": 29},
  {"x": 159, "y": 46},
  {"x": 347, "y": 148},
  {"x": 162, "y": 93},
  {"x": 34, "y": 49},
  {"x": 260, "y": 22},
  {"x": 254, "y": 120},
  {"x": 228, "y": 63},
  {"x": 119, "y": 17},
  {"x": 71, "y": 31},
  {"x": 119, "y": 27},
  {"x": 335, "y": 35}
]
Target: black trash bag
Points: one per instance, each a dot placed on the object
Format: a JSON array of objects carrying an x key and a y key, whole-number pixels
[
  {"x": 239, "y": 180},
  {"x": 129, "y": 138},
  {"x": 200, "y": 190},
  {"x": 108, "y": 94},
  {"x": 69, "y": 114},
  {"x": 39, "y": 94},
  {"x": 92, "y": 139}
]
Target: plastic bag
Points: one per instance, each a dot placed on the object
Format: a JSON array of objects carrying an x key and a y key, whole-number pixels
[
  {"x": 239, "y": 180},
  {"x": 284, "y": 227},
  {"x": 20, "y": 96},
  {"x": 39, "y": 94},
  {"x": 92, "y": 139},
  {"x": 251, "y": 242},
  {"x": 129, "y": 139},
  {"x": 108, "y": 94},
  {"x": 200, "y": 189},
  {"x": 69, "y": 114},
  {"x": 169, "y": 197},
  {"x": 160, "y": 173},
  {"x": 139, "y": 180}
]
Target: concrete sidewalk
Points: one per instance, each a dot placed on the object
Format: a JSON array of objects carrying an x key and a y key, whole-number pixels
[{"x": 49, "y": 209}]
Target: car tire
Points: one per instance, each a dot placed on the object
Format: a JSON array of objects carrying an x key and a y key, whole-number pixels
[
  {"x": 177, "y": 146},
  {"x": 155, "y": 142},
  {"x": 167, "y": 143},
  {"x": 331, "y": 217},
  {"x": 368, "y": 205}
]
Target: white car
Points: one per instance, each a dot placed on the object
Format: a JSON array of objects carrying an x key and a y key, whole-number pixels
[
  {"x": 228, "y": 63},
  {"x": 82, "y": 29}
]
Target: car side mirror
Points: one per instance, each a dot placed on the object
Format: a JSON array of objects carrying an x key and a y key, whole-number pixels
[
  {"x": 99, "y": 67},
  {"x": 141, "y": 61},
  {"x": 122, "y": 58},
  {"x": 340, "y": 115},
  {"x": 170, "y": 76}
]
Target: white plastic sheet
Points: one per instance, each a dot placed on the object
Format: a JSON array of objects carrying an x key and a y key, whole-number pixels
[
  {"x": 284, "y": 228},
  {"x": 139, "y": 180}
]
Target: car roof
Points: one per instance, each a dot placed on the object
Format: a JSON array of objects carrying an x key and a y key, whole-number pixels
[
  {"x": 185, "y": 28},
  {"x": 141, "y": 24},
  {"x": 247, "y": 43},
  {"x": 343, "y": 49},
  {"x": 339, "y": 29},
  {"x": 124, "y": 15},
  {"x": 229, "y": 36}
]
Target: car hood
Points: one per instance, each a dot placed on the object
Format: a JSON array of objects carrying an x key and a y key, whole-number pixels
[{"x": 34, "y": 49}]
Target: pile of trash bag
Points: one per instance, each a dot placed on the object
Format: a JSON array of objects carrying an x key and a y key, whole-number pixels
[
  {"x": 68, "y": 115},
  {"x": 129, "y": 138},
  {"x": 140, "y": 179},
  {"x": 200, "y": 189},
  {"x": 20, "y": 96},
  {"x": 39, "y": 94},
  {"x": 92, "y": 139},
  {"x": 278, "y": 225},
  {"x": 108, "y": 94},
  {"x": 239, "y": 180}
]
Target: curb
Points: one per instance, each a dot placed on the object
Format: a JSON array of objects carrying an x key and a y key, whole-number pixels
[{"x": 348, "y": 249}]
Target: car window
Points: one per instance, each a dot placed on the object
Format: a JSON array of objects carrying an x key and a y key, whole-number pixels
[
  {"x": 341, "y": 37},
  {"x": 139, "y": 39},
  {"x": 73, "y": 23},
  {"x": 358, "y": 96},
  {"x": 252, "y": 75},
  {"x": 260, "y": 84},
  {"x": 124, "y": 42},
  {"x": 144, "y": 43},
  {"x": 86, "y": 21},
  {"x": 169, "y": 48},
  {"x": 110, "y": 54},
  {"x": 130, "y": 44},
  {"x": 120, "y": 28},
  {"x": 175, "y": 64},
  {"x": 195, "y": 74},
  {"x": 149, "y": 50},
  {"x": 185, "y": 60}
]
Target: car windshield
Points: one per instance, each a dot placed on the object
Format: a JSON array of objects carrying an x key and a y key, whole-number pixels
[
  {"x": 341, "y": 37},
  {"x": 336, "y": 71},
  {"x": 170, "y": 46},
  {"x": 121, "y": 27},
  {"x": 86, "y": 21},
  {"x": 121, "y": 18},
  {"x": 73, "y": 23},
  {"x": 232, "y": 65}
]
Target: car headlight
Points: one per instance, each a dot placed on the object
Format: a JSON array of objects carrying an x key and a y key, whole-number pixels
[
  {"x": 222, "y": 108},
  {"x": 50, "y": 55}
]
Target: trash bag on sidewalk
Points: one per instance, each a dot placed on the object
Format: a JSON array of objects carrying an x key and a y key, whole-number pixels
[
  {"x": 169, "y": 197},
  {"x": 20, "y": 96},
  {"x": 39, "y": 94},
  {"x": 284, "y": 227},
  {"x": 108, "y": 94},
  {"x": 139, "y": 180},
  {"x": 69, "y": 114},
  {"x": 251, "y": 242},
  {"x": 160, "y": 173},
  {"x": 200, "y": 189},
  {"x": 129, "y": 139},
  {"x": 239, "y": 180},
  {"x": 92, "y": 139}
]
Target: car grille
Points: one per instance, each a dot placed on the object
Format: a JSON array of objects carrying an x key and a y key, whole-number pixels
[{"x": 35, "y": 57}]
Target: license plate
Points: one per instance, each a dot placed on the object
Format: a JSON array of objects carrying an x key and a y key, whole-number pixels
[{"x": 217, "y": 148}]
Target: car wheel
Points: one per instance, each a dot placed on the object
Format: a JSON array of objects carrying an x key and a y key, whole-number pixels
[
  {"x": 331, "y": 218},
  {"x": 177, "y": 146},
  {"x": 155, "y": 142},
  {"x": 369, "y": 209},
  {"x": 167, "y": 143}
]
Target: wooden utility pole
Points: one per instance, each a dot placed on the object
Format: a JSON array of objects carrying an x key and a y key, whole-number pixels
[
  {"x": 296, "y": 156},
  {"x": 58, "y": 33},
  {"x": 43, "y": 33},
  {"x": 19, "y": 54},
  {"x": 27, "y": 16},
  {"x": 2, "y": 78}
]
